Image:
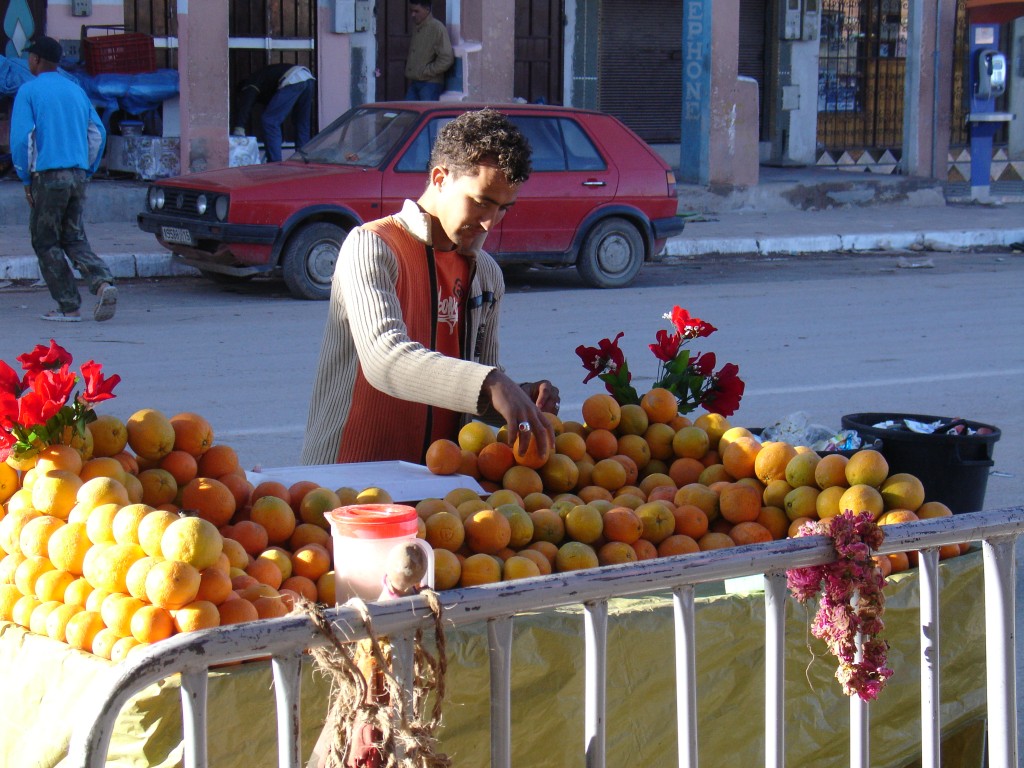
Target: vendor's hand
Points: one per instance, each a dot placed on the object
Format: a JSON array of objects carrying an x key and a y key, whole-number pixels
[
  {"x": 28, "y": 197},
  {"x": 238, "y": 132},
  {"x": 544, "y": 394},
  {"x": 522, "y": 415}
]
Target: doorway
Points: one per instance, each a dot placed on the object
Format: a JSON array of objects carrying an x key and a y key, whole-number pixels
[
  {"x": 540, "y": 25},
  {"x": 861, "y": 69},
  {"x": 394, "y": 28}
]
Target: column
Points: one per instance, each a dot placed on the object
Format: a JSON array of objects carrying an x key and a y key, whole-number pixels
[{"x": 204, "y": 85}]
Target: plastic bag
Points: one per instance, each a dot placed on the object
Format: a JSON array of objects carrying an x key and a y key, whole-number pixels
[{"x": 797, "y": 429}]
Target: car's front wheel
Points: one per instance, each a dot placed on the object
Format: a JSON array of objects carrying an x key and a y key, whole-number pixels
[
  {"x": 309, "y": 260},
  {"x": 612, "y": 254}
]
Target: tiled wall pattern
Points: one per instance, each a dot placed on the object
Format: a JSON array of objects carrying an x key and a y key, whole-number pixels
[{"x": 886, "y": 161}]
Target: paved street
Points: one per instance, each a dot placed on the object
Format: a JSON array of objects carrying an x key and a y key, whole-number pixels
[{"x": 829, "y": 335}]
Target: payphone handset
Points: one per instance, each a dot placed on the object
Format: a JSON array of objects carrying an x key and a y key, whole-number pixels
[{"x": 991, "y": 73}]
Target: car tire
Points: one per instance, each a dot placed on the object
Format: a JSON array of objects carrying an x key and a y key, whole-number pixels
[
  {"x": 309, "y": 259},
  {"x": 612, "y": 254}
]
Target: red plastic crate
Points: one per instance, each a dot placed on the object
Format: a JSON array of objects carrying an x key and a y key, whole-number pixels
[{"x": 125, "y": 53}]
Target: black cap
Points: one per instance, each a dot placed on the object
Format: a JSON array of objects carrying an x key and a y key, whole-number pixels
[{"x": 47, "y": 49}]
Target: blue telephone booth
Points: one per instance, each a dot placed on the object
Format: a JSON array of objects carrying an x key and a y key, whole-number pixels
[{"x": 988, "y": 78}]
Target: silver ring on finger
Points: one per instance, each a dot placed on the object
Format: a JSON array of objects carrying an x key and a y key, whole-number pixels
[{"x": 524, "y": 426}]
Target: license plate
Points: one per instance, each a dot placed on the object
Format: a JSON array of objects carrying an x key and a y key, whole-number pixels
[{"x": 176, "y": 235}]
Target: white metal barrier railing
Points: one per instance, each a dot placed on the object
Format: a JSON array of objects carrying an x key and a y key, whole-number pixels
[{"x": 285, "y": 639}]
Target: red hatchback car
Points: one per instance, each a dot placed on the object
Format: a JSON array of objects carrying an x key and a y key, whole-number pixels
[{"x": 599, "y": 198}]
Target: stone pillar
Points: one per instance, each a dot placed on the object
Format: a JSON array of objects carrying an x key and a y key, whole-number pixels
[
  {"x": 719, "y": 137},
  {"x": 488, "y": 74},
  {"x": 926, "y": 119},
  {"x": 203, "y": 84}
]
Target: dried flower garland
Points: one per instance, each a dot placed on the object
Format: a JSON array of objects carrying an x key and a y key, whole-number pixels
[{"x": 849, "y": 617}]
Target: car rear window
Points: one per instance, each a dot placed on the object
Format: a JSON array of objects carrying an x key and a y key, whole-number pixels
[{"x": 558, "y": 144}]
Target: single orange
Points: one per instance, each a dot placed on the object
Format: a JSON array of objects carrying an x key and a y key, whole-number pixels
[
  {"x": 218, "y": 460},
  {"x": 443, "y": 457},
  {"x": 494, "y": 460},
  {"x": 660, "y": 405},
  {"x": 677, "y": 544},
  {"x": 192, "y": 433},
  {"x": 601, "y": 411}
]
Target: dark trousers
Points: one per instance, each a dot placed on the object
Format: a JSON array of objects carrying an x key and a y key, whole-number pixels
[
  {"x": 58, "y": 234},
  {"x": 296, "y": 99},
  {"x": 420, "y": 90}
]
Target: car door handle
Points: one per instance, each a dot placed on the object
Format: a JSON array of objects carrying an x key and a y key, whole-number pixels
[{"x": 593, "y": 183}]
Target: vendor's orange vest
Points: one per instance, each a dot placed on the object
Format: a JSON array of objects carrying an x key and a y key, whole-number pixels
[{"x": 381, "y": 427}]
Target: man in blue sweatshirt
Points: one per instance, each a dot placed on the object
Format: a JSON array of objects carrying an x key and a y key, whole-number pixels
[{"x": 57, "y": 142}]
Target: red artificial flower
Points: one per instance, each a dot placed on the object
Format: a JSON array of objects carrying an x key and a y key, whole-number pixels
[
  {"x": 10, "y": 381},
  {"x": 97, "y": 387},
  {"x": 724, "y": 396},
  {"x": 34, "y": 409},
  {"x": 690, "y": 327},
  {"x": 8, "y": 410},
  {"x": 44, "y": 358},
  {"x": 704, "y": 364},
  {"x": 56, "y": 385},
  {"x": 606, "y": 355},
  {"x": 667, "y": 346}
]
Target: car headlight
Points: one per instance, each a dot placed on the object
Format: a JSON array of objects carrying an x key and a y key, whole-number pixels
[
  {"x": 201, "y": 204},
  {"x": 220, "y": 207},
  {"x": 156, "y": 198}
]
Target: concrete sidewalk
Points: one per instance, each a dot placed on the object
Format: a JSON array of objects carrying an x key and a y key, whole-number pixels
[
  {"x": 792, "y": 211},
  {"x": 948, "y": 227}
]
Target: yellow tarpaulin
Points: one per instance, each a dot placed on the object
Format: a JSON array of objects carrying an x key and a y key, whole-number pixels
[{"x": 46, "y": 683}]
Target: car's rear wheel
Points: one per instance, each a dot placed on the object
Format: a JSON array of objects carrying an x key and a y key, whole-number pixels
[
  {"x": 309, "y": 260},
  {"x": 612, "y": 254}
]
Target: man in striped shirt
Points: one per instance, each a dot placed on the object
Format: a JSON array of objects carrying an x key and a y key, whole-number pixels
[{"x": 411, "y": 343}]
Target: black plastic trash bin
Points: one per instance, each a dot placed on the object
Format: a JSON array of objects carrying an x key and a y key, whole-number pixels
[{"x": 953, "y": 468}]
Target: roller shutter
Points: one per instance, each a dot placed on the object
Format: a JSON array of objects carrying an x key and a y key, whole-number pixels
[
  {"x": 640, "y": 62},
  {"x": 753, "y": 23},
  {"x": 639, "y": 66}
]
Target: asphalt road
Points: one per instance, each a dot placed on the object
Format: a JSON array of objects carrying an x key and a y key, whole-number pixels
[{"x": 829, "y": 335}]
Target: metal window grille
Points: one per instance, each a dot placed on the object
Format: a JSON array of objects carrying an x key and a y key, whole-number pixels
[
  {"x": 861, "y": 67},
  {"x": 284, "y": 640}
]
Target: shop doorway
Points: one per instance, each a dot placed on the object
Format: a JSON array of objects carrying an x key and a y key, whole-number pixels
[
  {"x": 861, "y": 70},
  {"x": 158, "y": 18},
  {"x": 260, "y": 32},
  {"x": 540, "y": 25},
  {"x": 394, "y": 28},
  {"x": 640, "y": 63}
]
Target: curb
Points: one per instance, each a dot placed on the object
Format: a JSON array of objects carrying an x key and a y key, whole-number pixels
[
  {"x": 162, "y": 264},
  {"x": 122, "y": 265},
  {"x": 862, "y": 241}
]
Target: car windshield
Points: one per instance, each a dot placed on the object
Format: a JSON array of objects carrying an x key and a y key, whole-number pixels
[{"x": 364, "y": 136}]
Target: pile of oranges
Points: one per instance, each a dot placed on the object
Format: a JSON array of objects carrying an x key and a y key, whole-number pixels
[
  {"x": 634, "y": 482},
  {"x": 146, "y": 528}
]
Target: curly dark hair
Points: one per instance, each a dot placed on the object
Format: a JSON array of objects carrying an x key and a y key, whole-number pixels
[{"x": 484, "y": 134}]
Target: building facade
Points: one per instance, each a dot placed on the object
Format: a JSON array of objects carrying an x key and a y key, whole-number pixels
[{"x": 876, "y": 85}]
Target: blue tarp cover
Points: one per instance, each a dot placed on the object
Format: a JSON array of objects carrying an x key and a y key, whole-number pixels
[
  {"x": 13, "y": 72},
  {"x": 134, "y": 94}
]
